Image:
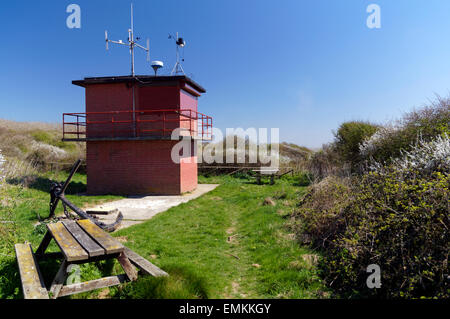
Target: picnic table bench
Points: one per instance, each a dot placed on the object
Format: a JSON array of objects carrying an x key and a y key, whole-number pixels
[{"x": 80, "y": 242}]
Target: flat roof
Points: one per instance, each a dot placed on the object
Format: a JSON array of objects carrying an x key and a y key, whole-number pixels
[{"x": 142, "y": 79}]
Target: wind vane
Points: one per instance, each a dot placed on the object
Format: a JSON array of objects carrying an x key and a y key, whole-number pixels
[
  {"x": 132, "y": 43},
  {"x": 180, "y": 43}
]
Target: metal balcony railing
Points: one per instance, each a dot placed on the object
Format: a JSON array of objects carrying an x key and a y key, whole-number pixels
[{"x": 136, "y": 124}]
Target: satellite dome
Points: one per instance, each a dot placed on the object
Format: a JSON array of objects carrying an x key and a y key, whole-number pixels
[{"x": 156, "y": 65}]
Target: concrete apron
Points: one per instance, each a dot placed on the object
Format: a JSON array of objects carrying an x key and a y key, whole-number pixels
[{"x": 136, "y": 210}]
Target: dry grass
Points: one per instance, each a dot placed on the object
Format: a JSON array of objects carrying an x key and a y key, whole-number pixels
[
  {"x": 29, "y": 126},
  {"x": 32, "y": 147}
]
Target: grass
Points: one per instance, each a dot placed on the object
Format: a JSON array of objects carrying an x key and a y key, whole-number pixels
[{"x": 225, "y": 244}]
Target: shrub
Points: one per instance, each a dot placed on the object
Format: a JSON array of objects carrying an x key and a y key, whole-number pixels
[
  {"x": 391, "y": 140},
  {"x": 430, "y": 121},
  {"x": 303, "y": 179},
  {"x": 326, "y": 162},
  {"x": 359, "y": 143},
  {"x": 321, "y": 211},
  {"x": 42, "y": 154},
  {"x": 42, "y": 136},
  {"x": 348, "y": 138},
  {"x": 425, "y": 157},
  {"x": 395, "y": 216}
]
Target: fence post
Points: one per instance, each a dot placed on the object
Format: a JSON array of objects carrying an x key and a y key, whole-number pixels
[{"x": 78, "y": 126}]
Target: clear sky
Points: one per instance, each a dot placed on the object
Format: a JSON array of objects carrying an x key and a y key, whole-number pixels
[{"x": 304, "y": 66}]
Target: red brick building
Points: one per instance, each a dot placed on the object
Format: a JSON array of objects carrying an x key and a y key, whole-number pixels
[{"x": 128, "y": 127}]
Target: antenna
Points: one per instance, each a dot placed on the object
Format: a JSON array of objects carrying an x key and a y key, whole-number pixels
[
  {"x": 132, "y": 42},
  {"x": 156, "y": 65},
  {"x": 180, "y": 43}
]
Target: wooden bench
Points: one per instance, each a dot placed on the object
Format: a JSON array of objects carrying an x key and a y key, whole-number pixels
[
  {"x": 32, "y": 284},
  {"x": 80, "y": 242}
]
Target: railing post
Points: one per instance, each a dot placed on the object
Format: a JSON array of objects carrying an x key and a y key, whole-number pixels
[
  {"x": 203, "y": 127},
  {"x": 200, "y": 126},
  {"x": 190, "y": 122}
]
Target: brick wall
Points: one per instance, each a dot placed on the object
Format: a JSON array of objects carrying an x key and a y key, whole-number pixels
[
  {"x": 137, "y": 167},
  {"x": 109, "y": 97}
]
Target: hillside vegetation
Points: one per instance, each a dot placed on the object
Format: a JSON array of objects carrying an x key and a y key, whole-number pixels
[
  {"x": 29, "y": 147},
  {"x": 289, "y": 156},
  {"x": 382, "y": 197}
]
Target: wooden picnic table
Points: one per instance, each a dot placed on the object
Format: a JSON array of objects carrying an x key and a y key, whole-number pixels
[
  {"x": 80, "y": 242},
  {"x": 271, "y": 173}
]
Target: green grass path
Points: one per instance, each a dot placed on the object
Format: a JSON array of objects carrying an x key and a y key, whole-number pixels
[{"x": 226, "y": 244}]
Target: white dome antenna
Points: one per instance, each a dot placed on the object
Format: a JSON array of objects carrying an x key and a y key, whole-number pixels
[{"x": 156, "y": 65}]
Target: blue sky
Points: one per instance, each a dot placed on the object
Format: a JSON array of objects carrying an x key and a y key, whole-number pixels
[{"x": 302, "y": 66}]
